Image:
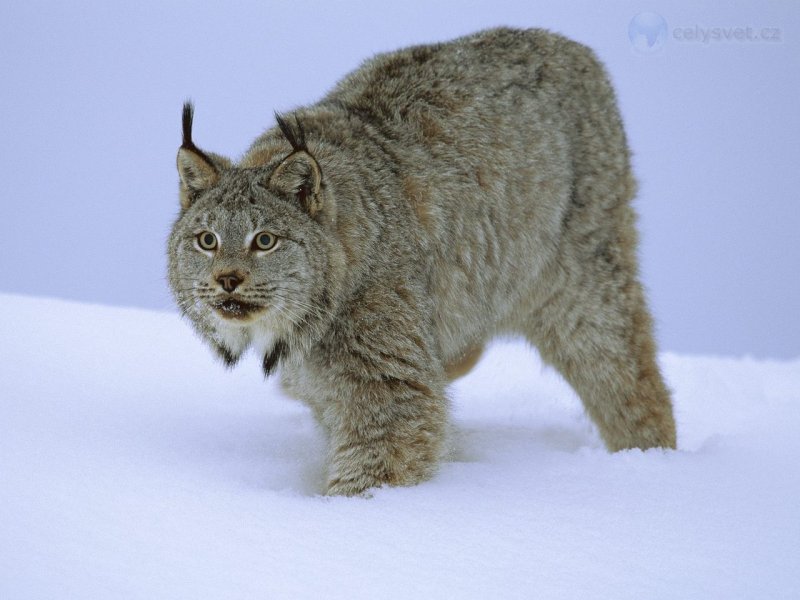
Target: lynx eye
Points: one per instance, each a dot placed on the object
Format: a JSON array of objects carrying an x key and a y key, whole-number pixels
[
  {"x": 207, "y": 240},
  {"x": 264, "y": 241}
]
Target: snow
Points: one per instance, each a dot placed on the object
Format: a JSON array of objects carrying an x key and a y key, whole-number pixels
[{"x": 134, "y": 466}]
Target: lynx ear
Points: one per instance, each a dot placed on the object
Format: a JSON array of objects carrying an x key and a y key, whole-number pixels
[
  {"x": 299, "y": 175},
  {"x": 197, "y": 170}
]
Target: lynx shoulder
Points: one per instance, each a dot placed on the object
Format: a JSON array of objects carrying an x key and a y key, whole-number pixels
[{"x": 371, "y": 244}]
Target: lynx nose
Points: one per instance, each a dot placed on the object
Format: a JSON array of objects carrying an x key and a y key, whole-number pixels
[{"x": 229, "y": 281}]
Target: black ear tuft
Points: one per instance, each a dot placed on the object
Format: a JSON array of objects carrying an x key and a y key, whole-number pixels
[
  {"x": 188, "y": 117},
  {"x": 296, "y": 136},
  {"x": 196, "y": 169},
  {"x": 299, "y": 174},
  {"x": 187, "y": 143}
]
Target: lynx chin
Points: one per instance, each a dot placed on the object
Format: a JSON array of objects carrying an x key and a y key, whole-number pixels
[{"x": 371, "y": 244}]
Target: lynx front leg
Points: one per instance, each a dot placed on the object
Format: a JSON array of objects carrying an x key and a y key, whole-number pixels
[
  {"x": 385, "y": 432},
  {"x": 384, "y": 407}
]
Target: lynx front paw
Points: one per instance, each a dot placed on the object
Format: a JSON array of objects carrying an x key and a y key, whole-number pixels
[
  {"x": 353, "y": 487},
  {"x": 356, "y": 477},
  {"x": 362, "y": 485},
  {"x": 355, "y": 473}
]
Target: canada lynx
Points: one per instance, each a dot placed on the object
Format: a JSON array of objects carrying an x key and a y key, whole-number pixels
[{"x": 372, "y": 243}]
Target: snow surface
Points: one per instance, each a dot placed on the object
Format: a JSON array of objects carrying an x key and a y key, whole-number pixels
[{"x": 134, "y": 466}]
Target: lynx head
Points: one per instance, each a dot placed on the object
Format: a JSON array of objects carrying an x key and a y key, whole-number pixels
[{"x": 249, "y": 255}]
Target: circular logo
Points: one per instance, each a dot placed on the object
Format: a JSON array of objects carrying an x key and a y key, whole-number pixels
[{"x": 647, "y": 32}]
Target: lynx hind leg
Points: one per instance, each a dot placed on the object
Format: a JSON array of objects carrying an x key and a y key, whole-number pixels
[{"x": 599, "y": 336}]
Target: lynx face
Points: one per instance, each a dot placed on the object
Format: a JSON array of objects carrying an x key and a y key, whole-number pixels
[
  {"x": 249, "y": 264},
  {"x": 241, "y": 265}
]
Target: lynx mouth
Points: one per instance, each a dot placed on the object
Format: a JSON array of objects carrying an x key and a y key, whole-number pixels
[{"x": 231, "y": 308}]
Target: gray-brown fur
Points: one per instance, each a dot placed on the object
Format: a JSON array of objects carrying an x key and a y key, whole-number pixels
[{"x": 441, "y": 195}]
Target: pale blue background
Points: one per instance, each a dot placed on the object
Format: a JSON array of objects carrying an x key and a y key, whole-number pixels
[{"x": 90, "y": 98}]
